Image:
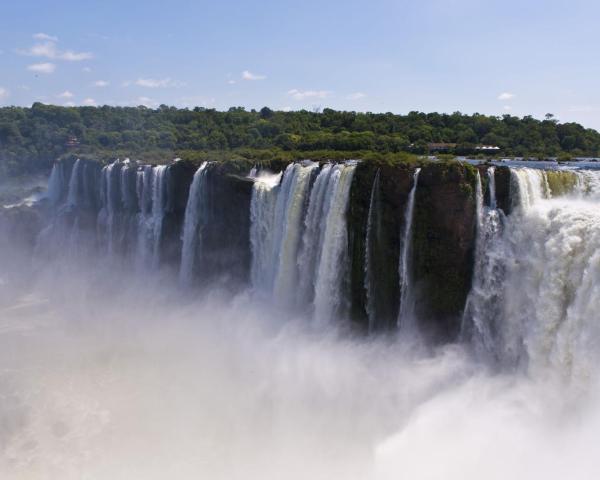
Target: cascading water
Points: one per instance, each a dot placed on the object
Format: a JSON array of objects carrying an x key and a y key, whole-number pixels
[
  {"x": 312, "y": 238},
  {"x": 73, "y": 194},
  {"x": 536, "y": 279},
  {"x": 277, "y": 212},
  {"x": 483, "y": 308},
  {"x": 195, "y": 213},
  {"x": 262, "y": 219},
  {"x": 56, "y": 184},
  {"x": 369, "y": 272},
  {"x": 289, "y": 231},
  {"x": 406, "y": 320},
  {"x": 159, "y": 189},
  {"x": 330, "y": 290}
]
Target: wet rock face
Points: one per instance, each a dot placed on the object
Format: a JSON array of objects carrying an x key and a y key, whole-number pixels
[
  {"x": 226, "y": 238},
  {"x": 389, "y": 203},
  {"x": 443, "y": 246},
  {"x": 179, "y": 179},
  {"x": 503, "y": 193}
]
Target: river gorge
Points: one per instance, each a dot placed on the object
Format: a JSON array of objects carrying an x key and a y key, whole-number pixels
[{"x": 302, "y": 320}]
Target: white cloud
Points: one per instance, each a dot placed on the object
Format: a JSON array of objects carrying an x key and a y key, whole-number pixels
[
  {"x": 86, "y": 69},
  {"x": 90, "y": 102},
  {"x": 3, "y": 93},
  {"x": 155, "y": 83},
  {"x": 101, "y": 83},
  {"x": 507, "y": 107},
  {"x": 48, "y": 49},
  {"x": 71, "y": 56},
  {"x": 65, "y": 94},
  {"x": 42, "y": 68},
  {"x": 506, "y": 96},
  {"x": 356, "y": 96},
  {"x": 307, "y": 94},
  {"x": 286, "y": 109},
  {"x": 231, "y": 82},
  {"x": 146, "y": 102},
  {"x": 247, "y": 75},
  {"x": 44, "y": 36},
  {"x": 69, "y": 104}
]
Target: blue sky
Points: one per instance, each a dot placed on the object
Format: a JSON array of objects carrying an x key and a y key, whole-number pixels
[{"x": 493, "y": 57}]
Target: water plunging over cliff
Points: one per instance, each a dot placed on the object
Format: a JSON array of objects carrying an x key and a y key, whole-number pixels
[
  {"x": 159, "y": 200},
  {"x": 371, "y": 236},
  {"x": 298, "y": 235},
  {"x": 406, "y": 320},
  {"x": 330, "y": 289},
  {"x": 536, "y": 277},
  {"x": 195, "y": 215}
]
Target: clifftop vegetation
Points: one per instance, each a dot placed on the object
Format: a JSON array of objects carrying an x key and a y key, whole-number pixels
[{"x": 32, "y": 138}]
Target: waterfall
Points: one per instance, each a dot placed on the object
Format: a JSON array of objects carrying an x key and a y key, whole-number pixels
[
  {"x": 73, "y": 195},
  {"x": 369, "y": 272},
  {"x": 406, "y": 318},
  {"x": 159, "y": 190},
  {"x": 330, "y": 292},
  {"x": 195, "y": 214},
  {"x": 56, "y": 184},
  {"x": 277, "y": 213},
  {"x": 491, "y": 174},
  {"x": 289, "y": 234},
  {"x": 109, "y": 215},
  {"x": 143, "y": 250},
  {"x": 312, "y": 238},
  {"x": 536, "y": 278},
  {"x": 262, "y": 219},
  {"x": 483, "y": 308}
]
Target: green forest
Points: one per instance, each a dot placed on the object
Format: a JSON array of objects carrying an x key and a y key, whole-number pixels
[{"x": 32, "y": 138}]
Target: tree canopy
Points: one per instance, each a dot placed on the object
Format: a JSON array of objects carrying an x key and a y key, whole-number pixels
[{"x": 32, "y": 138}]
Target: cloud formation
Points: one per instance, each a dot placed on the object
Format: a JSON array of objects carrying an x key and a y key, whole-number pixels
[
  {"x": 48, "y": 49},
  {"x": 247, "y": 75},
  {"x": 45, "y": 36},
  {"x": 65, "y": 94},
  {"x": 155, "y": 83},
  {"x": 3, "y": 93},
  {"x": 101, "y": 83},
  {"x": 45, "y": 68},
  {"x": 89, "y": 102},
  {"x": 506, "y": 96},
  {"x": 307, "y": 94}
]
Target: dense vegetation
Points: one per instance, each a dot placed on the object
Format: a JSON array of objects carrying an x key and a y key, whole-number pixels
[{"x": 31, "y": 138}]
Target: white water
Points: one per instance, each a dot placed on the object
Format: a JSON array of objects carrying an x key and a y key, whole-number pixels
[
  {"x": 330, "y": 290},
  {"x": 145, "y": 230},
  {"x": 74, "y": 183},
  {"x": 537, "y": 280},
  {"x": 191, "y": 238},
  {"x": 111, "y": 376},
  {"x": 292, "y": 201},
  {"x": 314, "y": 230},
  {"x": 483, "y": 308},
  {"x": 406, "y": 320},
  {"x": 108, "y": 215},
  {"x": 369, "y": 272},
  {"x": 56, "y": 184},
  {"x": 159, "y": 191},
  {"x": 262, "y": 220}
]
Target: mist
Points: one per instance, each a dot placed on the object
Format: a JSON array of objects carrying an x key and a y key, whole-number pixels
[{"x": 106, "y": 375}]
